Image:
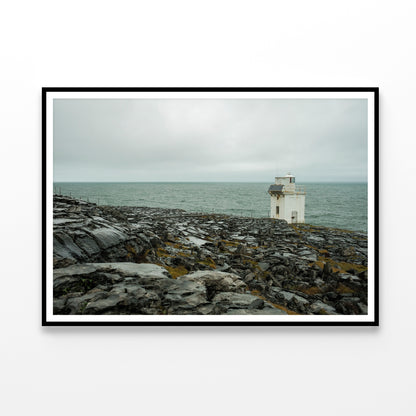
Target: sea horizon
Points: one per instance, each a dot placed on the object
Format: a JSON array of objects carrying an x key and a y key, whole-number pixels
[
  {"x": 332, "y": 204},
  {"x": 168, "y": 181}
]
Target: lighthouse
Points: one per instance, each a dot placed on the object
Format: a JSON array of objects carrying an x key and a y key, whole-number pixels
[{"x": 287, "y": 200}]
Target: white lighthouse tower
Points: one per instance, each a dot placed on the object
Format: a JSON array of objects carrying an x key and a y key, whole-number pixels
[{"x": 287, "y": 200}]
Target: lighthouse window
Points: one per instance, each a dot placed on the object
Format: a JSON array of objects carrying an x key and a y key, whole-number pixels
[
  {"x": 292, "y": 180},
  {"x": 277, "y": 210}
]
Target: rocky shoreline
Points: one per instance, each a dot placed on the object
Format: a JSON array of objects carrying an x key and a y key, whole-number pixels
[{"x": 155, "y": 261}]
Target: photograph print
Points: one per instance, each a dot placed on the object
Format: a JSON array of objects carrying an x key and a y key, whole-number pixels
[{"x": 210, "y": 206}]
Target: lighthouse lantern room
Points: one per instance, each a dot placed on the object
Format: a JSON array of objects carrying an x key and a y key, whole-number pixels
[{"x": 287, "y": 200}]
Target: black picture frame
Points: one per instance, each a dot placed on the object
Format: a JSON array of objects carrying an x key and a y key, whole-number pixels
[{"x": 47, "y": 190}]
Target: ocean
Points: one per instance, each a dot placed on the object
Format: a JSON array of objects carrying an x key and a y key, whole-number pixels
[{"x": 338, "y": 205}]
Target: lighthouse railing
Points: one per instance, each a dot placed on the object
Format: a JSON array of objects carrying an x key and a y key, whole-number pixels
[{"x": 300, "y": 189}]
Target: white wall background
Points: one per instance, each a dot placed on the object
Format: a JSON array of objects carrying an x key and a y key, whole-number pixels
[{"x": 204, "y": 371}]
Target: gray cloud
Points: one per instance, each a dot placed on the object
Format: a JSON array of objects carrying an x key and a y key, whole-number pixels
[{"x": 210, "y": 140}]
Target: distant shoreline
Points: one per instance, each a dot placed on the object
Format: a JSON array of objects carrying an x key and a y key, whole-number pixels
[{"x": 337, "y": 205}]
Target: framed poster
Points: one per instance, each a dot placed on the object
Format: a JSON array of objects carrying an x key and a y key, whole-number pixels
[{"x": 210, "y": 206}]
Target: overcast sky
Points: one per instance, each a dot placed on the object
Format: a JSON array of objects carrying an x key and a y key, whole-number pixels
[{"x": 248, "y": 140}]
